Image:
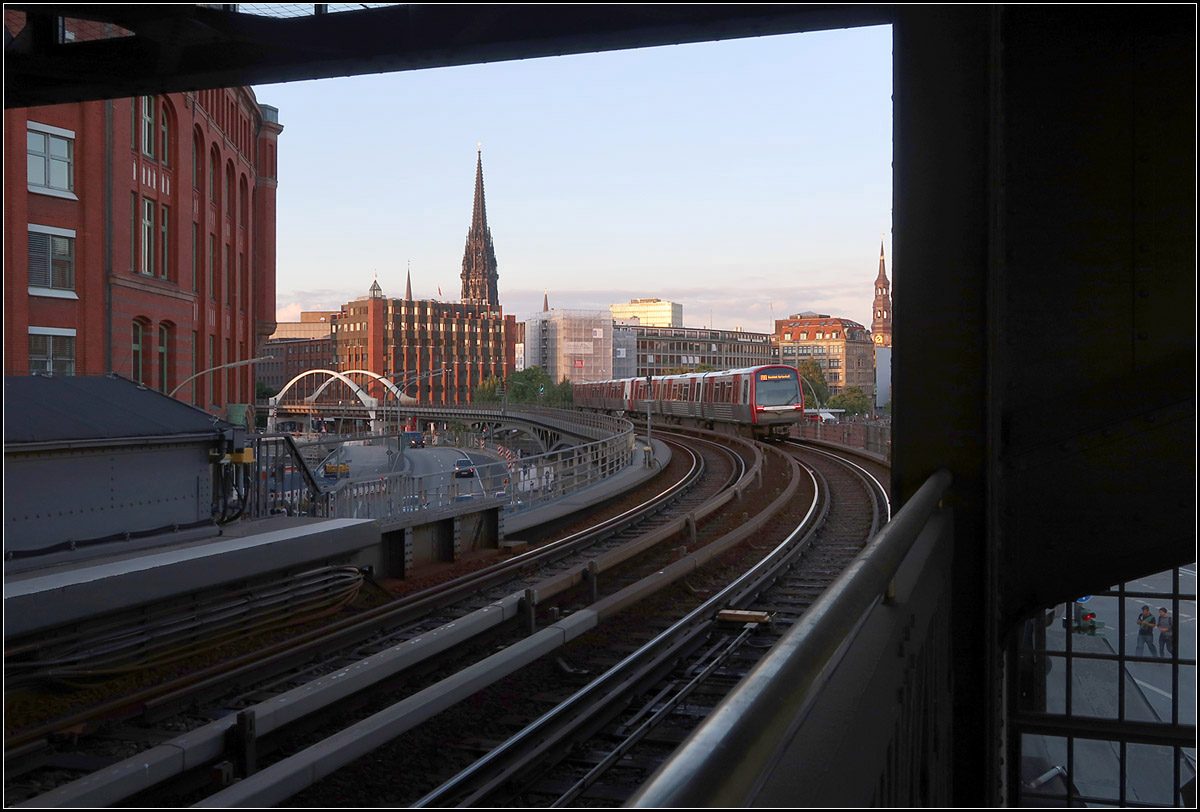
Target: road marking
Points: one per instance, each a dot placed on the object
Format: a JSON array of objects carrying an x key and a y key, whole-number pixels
[{"x": 1156, "y": 690}]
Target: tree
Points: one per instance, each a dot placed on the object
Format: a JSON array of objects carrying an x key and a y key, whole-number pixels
[
  {"x": 488, "y": 390},
  {"x": 812, "y": 382},
  {"x": 853, "y": 400},
  {"x": 564, "y": 394},
  {"x": 530, "y": 385}
]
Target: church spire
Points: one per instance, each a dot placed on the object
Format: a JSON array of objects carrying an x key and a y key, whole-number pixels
[
  {"x": 881, "y": 319},
  {"x": 479, "y": 257},
  {"x": 408, "y": 285},
  {"x": 546, "y": 302}
]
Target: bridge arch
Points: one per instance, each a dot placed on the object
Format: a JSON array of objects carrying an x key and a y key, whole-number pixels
[
  {"x": 387, "y": 383},
  {"x": 363, "y": 397}
]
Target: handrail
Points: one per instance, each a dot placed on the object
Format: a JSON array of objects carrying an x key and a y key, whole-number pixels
[{"x": 722, "y": 763}]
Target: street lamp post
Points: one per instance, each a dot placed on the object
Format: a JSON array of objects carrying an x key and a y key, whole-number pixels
[{"x": 186, "y": 381}]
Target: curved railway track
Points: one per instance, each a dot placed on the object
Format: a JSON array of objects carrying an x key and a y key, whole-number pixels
[
  {"x": 562, "y": 589},
  {"x": 600, "y": 745},
  {"x": 430, "y": 609}
]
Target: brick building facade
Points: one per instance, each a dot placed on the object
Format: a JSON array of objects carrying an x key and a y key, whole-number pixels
[
  {"x": 413, "y": 340},
  {"x": 141, "y": 239},
  {"x": 841, "y": 347},
  {"x": 441, "y": 351}
]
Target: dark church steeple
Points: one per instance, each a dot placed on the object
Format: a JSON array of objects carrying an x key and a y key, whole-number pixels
[
  {"x": 479, "y": 258},
  {"x": 881, "y": 320}
]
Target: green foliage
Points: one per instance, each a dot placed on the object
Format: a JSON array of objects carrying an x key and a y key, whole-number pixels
[
  {"x": 262, "y": 391},
  {"x": 564, "y": 394},
  {"x": 532, "y": 386},
  {"x": 488, "y": 390},
  {"x": 812, "y": 381},
  {"x": 853, "y": 400}
]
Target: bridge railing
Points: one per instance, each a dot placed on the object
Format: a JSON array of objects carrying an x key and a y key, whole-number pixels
[
  {"x": 875, "y": 438},
  {"x": 519, "y": 485},
  {"x": 281, "y": 480},
  {"x": 852, "y": 706}
]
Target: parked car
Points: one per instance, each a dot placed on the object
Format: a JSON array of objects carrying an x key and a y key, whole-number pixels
[{"x": 464, "y": 468}]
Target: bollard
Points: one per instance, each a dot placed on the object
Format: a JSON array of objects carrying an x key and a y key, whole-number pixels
[
  {"x": 592, "y": 574},
  {"x": 244, "y": 745},
  {"x": 529, "y": 605}
]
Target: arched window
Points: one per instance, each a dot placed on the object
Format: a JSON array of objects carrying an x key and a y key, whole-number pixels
[
  {"x": 197, "y": 158},
  {"x": 230, "y": 188},
  {"x": 214, "y": 165},
  {"x": 138, "y": 337},
  {"x": 244, "y": 203},
  {"x": 164, "y": 358}
]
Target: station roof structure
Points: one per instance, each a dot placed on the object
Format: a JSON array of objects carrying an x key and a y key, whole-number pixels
[
  {"x": 70, "y": 409},
  {"x": 161, "y": 48}
]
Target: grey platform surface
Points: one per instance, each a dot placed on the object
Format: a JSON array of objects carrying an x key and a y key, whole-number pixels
[{"x": 68, "y": 592}]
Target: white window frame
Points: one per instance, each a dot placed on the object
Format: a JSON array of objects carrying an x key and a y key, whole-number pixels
[
  {"x": 148, "y": 125},
  {"x": 55, "y": 332},
  {"x": 52, "y": 132},
  {"x": 147, "y": 229},
  {"x": 49, "y": 290}
]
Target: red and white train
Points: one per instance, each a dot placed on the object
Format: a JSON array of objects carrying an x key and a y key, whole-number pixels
[{"x": 760, "y": 401}]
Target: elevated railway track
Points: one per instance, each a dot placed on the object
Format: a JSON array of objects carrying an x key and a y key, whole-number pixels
[{"x": 533, "y": 604}]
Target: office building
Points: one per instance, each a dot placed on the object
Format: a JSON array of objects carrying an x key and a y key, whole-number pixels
[
  {"x": 572, "y": 344},
  {"x": 841, "y": 347},
  {"x": 650, "y": 312}
]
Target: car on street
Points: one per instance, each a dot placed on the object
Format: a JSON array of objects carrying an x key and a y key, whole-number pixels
[
  {"x": 464, "y": 468},
  {"x": 414, "y": 439}
]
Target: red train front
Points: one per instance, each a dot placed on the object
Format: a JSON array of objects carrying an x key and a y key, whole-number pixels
[{"x": 761, "y": 401}]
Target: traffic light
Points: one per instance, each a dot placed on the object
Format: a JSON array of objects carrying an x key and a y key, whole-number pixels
[{"x": 1083, "y": 621}]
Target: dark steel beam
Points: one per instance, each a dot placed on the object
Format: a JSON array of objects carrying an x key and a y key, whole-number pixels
[{"x": 176, "y": 48}]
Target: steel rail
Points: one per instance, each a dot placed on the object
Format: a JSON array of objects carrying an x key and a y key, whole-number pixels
[
  {"x": 283, "y": 779},
  {"x": 721, "y": 763},
  {"x": 161, "y": 762},
  {"x": 550, "y": 732}
]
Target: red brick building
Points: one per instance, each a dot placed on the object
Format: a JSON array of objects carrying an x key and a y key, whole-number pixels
[
  {"x": 415, "y": 340},
  {"x": 472, "y": 341},
  {"x": 140, "y": 239}
]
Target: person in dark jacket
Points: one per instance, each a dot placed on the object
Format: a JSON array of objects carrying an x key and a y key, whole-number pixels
[
  {"x": 1166, "y": 633},
  {"x": 1146, "y": 625}
]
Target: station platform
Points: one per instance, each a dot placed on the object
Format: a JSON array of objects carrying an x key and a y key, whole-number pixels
[{"x": 58, "y": 591}]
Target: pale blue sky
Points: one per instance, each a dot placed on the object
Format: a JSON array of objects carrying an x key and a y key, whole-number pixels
[{"x": 742, "y": 179}]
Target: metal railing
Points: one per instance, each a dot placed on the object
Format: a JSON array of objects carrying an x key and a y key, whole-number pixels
[
  {"x": 281, "y": 480},
  {"x": 875, "y": 438},
  {"x": 851, "y": 707}
]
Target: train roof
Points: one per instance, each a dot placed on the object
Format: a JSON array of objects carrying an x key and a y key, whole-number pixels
[{"x": 689, "y": 375}]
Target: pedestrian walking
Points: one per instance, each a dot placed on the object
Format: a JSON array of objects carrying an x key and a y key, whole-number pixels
[
  {"x": 1146, "y": 625},
  {"x": 1166, "y": 633}
]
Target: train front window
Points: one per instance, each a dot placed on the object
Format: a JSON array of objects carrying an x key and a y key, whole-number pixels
[{"x": 777, "y": 389}]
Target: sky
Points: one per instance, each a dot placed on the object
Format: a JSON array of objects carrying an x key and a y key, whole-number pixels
[{"x": 747, "y": 180}]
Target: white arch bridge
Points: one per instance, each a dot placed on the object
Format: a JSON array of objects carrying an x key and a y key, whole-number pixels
[
  {"x": 367, "y": 406},
  {"x": 552, "y": 429}
]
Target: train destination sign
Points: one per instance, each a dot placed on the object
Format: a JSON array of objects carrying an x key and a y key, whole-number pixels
[{"x": 774, "y": 376}]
